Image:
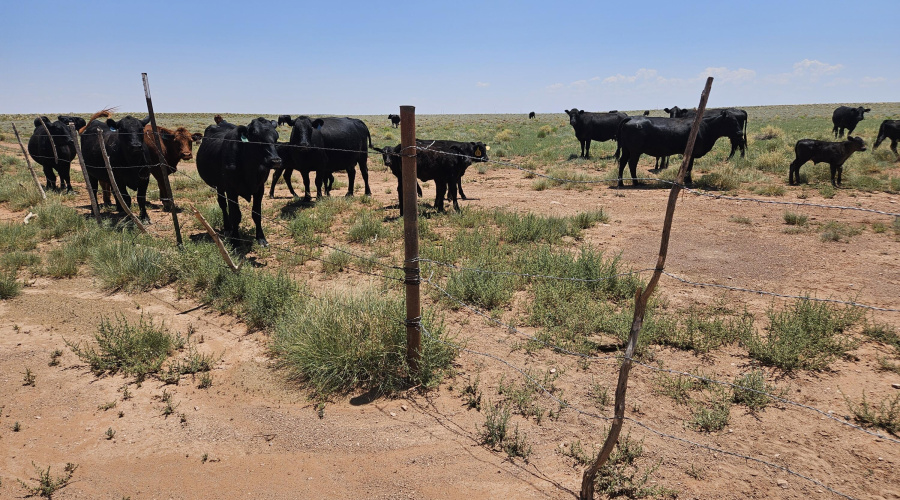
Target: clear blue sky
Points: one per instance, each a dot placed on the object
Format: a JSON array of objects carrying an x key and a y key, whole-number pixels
[{"x": 370, "y": 57}]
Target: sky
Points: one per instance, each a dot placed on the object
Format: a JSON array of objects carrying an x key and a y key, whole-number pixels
[{"x": 356, "y": 58}]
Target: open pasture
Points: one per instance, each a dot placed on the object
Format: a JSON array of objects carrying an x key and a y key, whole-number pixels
[{"x": 287, "y": 379}]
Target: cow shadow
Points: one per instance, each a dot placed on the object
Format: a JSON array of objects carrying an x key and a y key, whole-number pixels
[
  {"x": 239, "y": 248},
  {"x": 297, "y": 204}
]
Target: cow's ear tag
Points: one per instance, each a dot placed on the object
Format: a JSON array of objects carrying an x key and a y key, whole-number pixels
[
  {"x": 319, "y": 127},
  {"x": 244, "y": 138},
  {"x": 112, "y": 129},
  {"x": 478, "y": 152}
]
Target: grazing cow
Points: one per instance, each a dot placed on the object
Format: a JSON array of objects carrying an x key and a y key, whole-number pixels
[
  {"x": 41, "y": 150},
  {"x": 832, "y": 153},
  {"x": 647, "y": 113},
  {"x": 738, "y": 141},
  {"x": 395, "y": 120},
  {"x": 177, "y": 145},
  {"x": 285, "y": 120},
  {"x": 287, "y": 168},
  {"x": 846, "y": 117},
  {"x": 531, "y": 115},
  {"x": 432, "y": 163},
  {"x": 327, "y": 145},
  {"x": 594, "y": 126},
  {"x": 889, "y": 129},
  {"x": 236, "y": 160},
  {"x": 124, "y": 140},
  {"x": 657, "y": 136}
]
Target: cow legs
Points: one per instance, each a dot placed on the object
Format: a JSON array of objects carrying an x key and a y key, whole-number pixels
[
  {"x": 234, "y": 214},
  {"x": 256, "y": 215},
  {"x": 587, "y": 149},
  {"x": 305, "y": 175},
  {"x": 451, "y": 193},
  {"x": 440, "y": 187},
  {"x": 364, "y": 171},
  {"x": 276, "y": 174},
  {"x": 287, "y": 180},
  {"x": 142, "y": 199},
  {"x": 64, "y": 179},
  {"x": 223, "y": 204},
  {"x": 836, "y": 169},
  {"x": 622, "y": 161},
  {"x": 400, "y": 194},
  {"x": 618, "y": 151},
  {"x": 794, "y": 172},
  {"x": 351, "y": 178},
  {"x": 894, "y": 147},
  {"x": 51, "y": 177},
  {"x": 459, "y": 185},
  {"x": 687, "y": 176},
  {"x": 582, "y": 149},
  {"x": 632, "y": 166},
  {"x": 165, "y": 196}
]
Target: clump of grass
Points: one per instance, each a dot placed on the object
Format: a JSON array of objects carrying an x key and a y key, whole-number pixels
[
  {"x": 29, "y": 378},
  {"x": 807, "y": 335},
  {"x": 739, "y": 219},
  {"x": 472, "y": 393},
  {"x": 882, "y": 332},
  {"x": 206, "y": 380},
  {"x": 56, "y": 220},
  {"x": 677, "y": 387},
  {"x": 768, "y": 133},
  {"x": 495, "y": 432},
  {"x": 54, "y": 357},
  {"x": 724, "y": 179},
  {"x": 772, "y": 161},
  {"x": 770, "y": 190},
  {"x": 15, "y": 236},
  {"x": 523, "y": 397},
  {"x": 838, "y": 231},
  {"x": 110, "y": 434},
  {"x": 129, "y": 262},
  {"x": 485, "y": 290},
  {"x": 339, "y": 343},
  {"x": 131, "y": 349},
  {"x": 48, "y": 485},
  {"x": 795, "y": 219},
  {"x": 366, "y": 228},
  {"x": 518, "y": 228},
  {"x": 714, "y": 415},
  {"x": 702, "y": 331},
  {"x": 544, "y": 131},
  {"x": 266, "y": 297},
  {"x": 621, "y": 476},
  {"x": 750, "y": 389},
  {"x": 9, "y": 287},
  {"x": 15, "y": 260},
  {"x": 885, "y": 416},
  {"x": 504, "y": 135}
]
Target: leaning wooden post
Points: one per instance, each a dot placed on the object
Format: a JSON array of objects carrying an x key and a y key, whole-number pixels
[
  {"x": 162, "y": 161},
  {"x": 411, "y": 236},
  {"x": 50, "y": 137},
  {"x": 640, "y": 305},
  {"x": 94, "y": 207},
  {"x": 215, "y": 237},
  {"x": 112, "y": 182},
  {"x": 28, "y": 161}
]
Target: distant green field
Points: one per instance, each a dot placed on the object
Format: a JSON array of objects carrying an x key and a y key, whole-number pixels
[{"x": 548, "y": 142}]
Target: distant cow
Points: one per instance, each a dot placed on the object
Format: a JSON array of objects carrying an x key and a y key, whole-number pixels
[
  {"x": 177, "y": 145},
  {"x": 395, "y": 120},
  {"x": 889, "y": 129},
  {"x": 327, "y": 145},
  {"x": 659, "y": 137},
  {"x": 236, "y": 160},
  {"x": 445, "y": 162},
  {"x": 531, "y": 115},
  {"x": 41, "y": 150},
  {"x": 124, "y": 140},
  {"x": 285, "y": 120},
  {"x": 846, "y": 117},
  {"x": 287, "y": 168},
  {"x": 832, "y": 153},
  {"x": 594, "y": 127},
  {"x": 647, "y": 113},
  {"x": 739, "y": 141}
]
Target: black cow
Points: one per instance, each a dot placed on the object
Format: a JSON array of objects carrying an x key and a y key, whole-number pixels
[
  {"x": 236, "y": 161},
  {"x": 832, "y": 153},
  {"x": 128, "y": 159},
  {"x": 889, "y": 129},
  {"x": 846, "y": 117},
  {"x": 594, "y": 126},
  {"x": 41, "y": 150},
  {"x": 285, "y": 120},
  {"x": 75, "y": 120},
  {"x": 395, "y": 120},
  {"x": 531, "y": 115},
  {"x": 327, "y": 145},
  {"x": 738, "y": 141},
  {"x": 287, "y": 167},
  {"x": 657, "y": 136},
  {"x": 434, "y": 163}
]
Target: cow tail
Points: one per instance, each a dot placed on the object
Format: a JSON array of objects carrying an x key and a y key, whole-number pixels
[
  {"x": 745, "y": 132},
  {"x": 103, "y": 113},
  {"x": 369, "y": 135},
  {"x": 880, "y": 136}
]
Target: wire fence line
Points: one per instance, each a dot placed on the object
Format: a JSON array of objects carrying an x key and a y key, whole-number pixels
[{"x": 565, "y": 405}]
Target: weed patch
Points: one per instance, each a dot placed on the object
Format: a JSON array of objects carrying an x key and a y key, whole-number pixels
[{"x": 885, "y": 416}]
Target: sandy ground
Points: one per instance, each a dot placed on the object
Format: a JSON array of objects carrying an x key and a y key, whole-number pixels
[{"x": 262, "y": 438}]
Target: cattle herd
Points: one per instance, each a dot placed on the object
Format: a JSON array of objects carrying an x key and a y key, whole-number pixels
[{"x": 235, "y": 160}]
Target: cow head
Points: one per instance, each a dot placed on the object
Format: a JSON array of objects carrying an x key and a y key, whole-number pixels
[
  {"x": 59, "y": 133},
  {"x": 75, "y": 120},
  {"x": 285, "y": 120},
  {"x": 478, "y": 151},
  {"x": 575, "y": 115},
  {"x": 391, "y": 157},
  {"x": 860, "y": 112},
  {"x": 258, "y": 139},
  {"x": 306, "y": 132},
  {"x": 184, "y": 141},
  {"x": 130, "y": 137},
  {"x": 855, "y": 143}
]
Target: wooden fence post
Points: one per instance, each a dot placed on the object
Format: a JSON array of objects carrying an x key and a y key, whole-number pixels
[
  {"x": 411, "y": 236},
  {"x": 28, "y": 161},
  {"x": 162, "y": 163},
  {"x": 640, "y": 305},
  {"x": 95, "y": 208},
  {"x": 112, "y": 182},
  {"x": 216, "y": 239},
  {"x": 50, "y": 137}
]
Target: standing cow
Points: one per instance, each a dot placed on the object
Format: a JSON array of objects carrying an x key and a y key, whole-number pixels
[
  {"x": 124, "y": 140},
  {"x": 531, "y": 115},
  {"x": 327, "y": 145},
  {"x": 594, "y": 127},
  {"x": 846, "y": 117},
  {"x": 236, "y": 160},
  {"x": 738, "y": 141},
  {"x": 659, "y": 137},
  {"x": 889, "y": 129},
  {"x": 41, "y": 150},
  {"x": 832, "y": 153},
  {"x": 395, "y": 120},
  {"x": 177, "y": 145}
]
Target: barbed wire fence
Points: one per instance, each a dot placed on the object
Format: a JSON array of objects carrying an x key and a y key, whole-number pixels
[{"x": 393, "y": 273}]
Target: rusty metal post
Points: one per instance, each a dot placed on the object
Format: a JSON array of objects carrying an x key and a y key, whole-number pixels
[
  {"x": 640, "y": 304},
  {"x": 95, "y": 208},
  {"x": 115, "y": 186},
  {"x": 162, "y": 161},
  {"x": 28, "y": 162},
  {"x": 52, "y": 144},
  {"x": 411, "y": 236}
]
